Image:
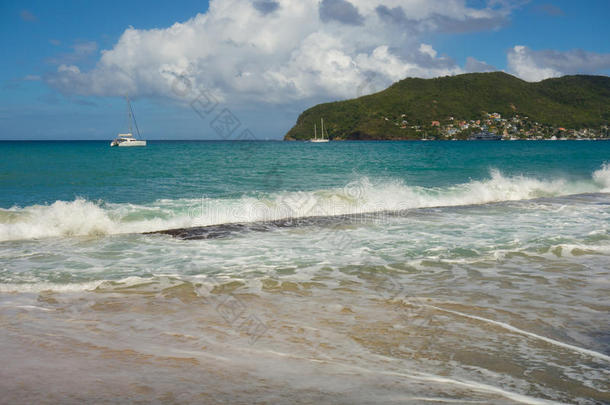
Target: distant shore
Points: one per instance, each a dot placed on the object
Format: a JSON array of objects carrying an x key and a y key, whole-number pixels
[{"x": 462, "y": 106}]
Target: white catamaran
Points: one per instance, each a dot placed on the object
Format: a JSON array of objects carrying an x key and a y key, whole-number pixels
[
  {"x": 315, "y": 134},
  {"x": 128, "y": 139}
]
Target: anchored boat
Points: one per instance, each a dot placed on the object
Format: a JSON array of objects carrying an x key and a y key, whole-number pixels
[
  {"x": 128, "y": 139},
  {"x": 315, "y": 134}
]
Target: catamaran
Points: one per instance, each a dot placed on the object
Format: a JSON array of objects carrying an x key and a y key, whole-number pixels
[
  {"x": 128, "y": 139},
  {"x": 315, "y": 134}
]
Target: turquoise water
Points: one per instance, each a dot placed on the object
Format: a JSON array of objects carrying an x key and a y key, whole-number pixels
[
  {"x": 416, "y": 272},
  {"x": 43, "y": 172}
]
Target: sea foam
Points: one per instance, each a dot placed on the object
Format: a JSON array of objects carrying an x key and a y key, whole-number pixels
[
  {"x": 88, "y": 218},
  {"x": 602, "y": 177}
]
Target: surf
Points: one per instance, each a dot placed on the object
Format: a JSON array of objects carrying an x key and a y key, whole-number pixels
[{"x": 82, "y": 217}]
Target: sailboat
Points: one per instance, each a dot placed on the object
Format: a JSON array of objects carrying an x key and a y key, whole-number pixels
[
  {"x": 128, "y": 139},
  {"x": 315, "y": 134}
]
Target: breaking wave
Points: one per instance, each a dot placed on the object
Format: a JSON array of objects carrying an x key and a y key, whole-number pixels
[
  {"x": 602, "y": 177},
  {"x": 90, "y": 218}
]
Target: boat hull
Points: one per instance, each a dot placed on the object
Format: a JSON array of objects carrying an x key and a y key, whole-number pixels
[{"x": 132, "y": 143}]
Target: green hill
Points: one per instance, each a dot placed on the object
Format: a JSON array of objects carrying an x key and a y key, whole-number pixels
[{"x": 572, "y": 102}]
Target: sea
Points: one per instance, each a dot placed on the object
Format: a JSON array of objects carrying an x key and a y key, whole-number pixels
[{"x": 290, "y": 272}]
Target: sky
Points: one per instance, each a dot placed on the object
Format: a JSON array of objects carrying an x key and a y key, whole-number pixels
[{"x": 245, "y": 69}]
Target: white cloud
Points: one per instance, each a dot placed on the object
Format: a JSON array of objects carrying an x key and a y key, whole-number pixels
[
  {"x": 84, "y": 48},
  {"x": 81, "y": 51},
  {"x": 476, "y": 66},
  {"x": 428, "y": 50},
  {"x": 282, "y": 50},
  {"x": 68, "y": 69},
  {"x": 533, "y": 65}
]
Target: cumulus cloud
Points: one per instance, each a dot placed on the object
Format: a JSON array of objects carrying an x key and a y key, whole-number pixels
[
  {"x": 476, "y": 66},
  {"x": 534, "y": 65},
  {"x": 340, "y": 10},
  {"x": 282, "y": 50},
  {"x": 427, "y": 50},
  {"x": 394, "y": 15},
  {"x": 266, "y": 6},
  {"x": 421, "y": 17}
]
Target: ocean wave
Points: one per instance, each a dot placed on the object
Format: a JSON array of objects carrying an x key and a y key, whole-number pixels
[
  {"x": 602, "y": 177},
  {"x": 91, "y": 218},
  {"x": 41, "y": 286}
]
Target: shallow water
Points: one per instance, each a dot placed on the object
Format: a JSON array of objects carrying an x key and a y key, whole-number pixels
[{"x": 419, "y": 273}]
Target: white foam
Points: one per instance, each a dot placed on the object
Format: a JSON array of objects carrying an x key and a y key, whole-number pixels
[
  {"x": 158, "y": 281},
  {"x": 34, "y": 308},
  {"x": 45, "y": 286},
  {"x": 526, "y": 333},
  {"x": 62, "y": 218},
  {"x": 602, "y": 177},
  {"x": 86, "y": 218},
  {"x": 427, "y": 377},
  {"x": 477, "y": 386}
]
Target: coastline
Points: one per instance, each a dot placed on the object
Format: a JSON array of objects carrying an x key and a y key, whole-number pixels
[{"x": 362, "y": 272}]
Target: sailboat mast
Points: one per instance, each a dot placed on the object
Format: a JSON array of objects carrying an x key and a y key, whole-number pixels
[
  {"x": 129, "y": 114},
  {"x": 315, "y": 131},
  {"x": 322, "y": 135}
]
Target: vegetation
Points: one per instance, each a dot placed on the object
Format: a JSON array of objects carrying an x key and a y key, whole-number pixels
[{"x": 409, "y": 108}]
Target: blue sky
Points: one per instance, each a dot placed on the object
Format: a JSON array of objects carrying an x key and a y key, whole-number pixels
[{"x": 264, "y": 61}]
